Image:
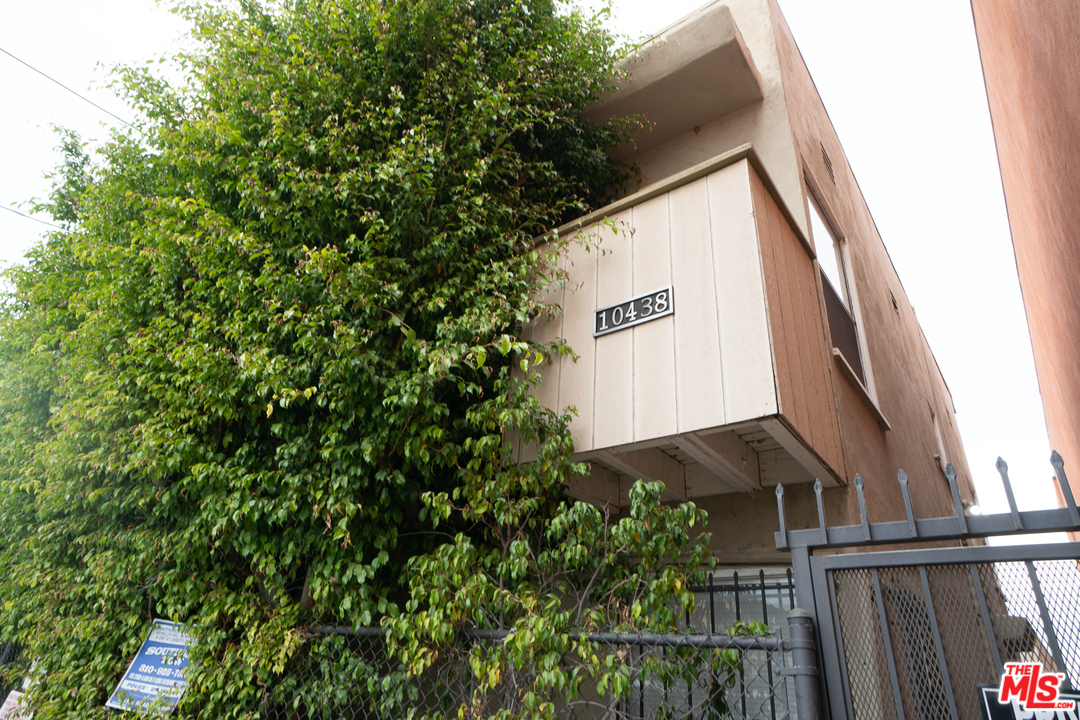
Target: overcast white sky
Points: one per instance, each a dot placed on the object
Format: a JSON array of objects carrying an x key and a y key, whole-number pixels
[{"x": 902, "y": 84}]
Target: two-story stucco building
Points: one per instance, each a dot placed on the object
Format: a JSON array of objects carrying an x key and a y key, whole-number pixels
[{"x": 742, "y": 324}]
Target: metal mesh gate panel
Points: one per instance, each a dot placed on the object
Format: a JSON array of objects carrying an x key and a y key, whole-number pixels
[
  {"x": 863, "y": 646},
  {"x": 927, "y": 632},
  {"x": 917, "y": 640}
]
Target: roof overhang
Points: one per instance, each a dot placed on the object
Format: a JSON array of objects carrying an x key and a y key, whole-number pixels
[{"x": 696, "y": 71}]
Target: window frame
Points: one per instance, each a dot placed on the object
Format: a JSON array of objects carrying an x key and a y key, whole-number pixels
[{"x": 848, "y": 294}]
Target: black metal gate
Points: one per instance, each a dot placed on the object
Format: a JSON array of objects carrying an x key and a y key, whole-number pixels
[{"x": 916, "y": 634}]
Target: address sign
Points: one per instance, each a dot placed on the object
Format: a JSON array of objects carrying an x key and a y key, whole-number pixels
[{"x": 642, "y": 309}]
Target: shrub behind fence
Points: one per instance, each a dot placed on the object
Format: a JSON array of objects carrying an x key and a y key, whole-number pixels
[{"x": 349, "y": 674}]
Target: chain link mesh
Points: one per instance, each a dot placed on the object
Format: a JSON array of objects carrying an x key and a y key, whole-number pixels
[
  {"x": 921, "y": 683},
  {"x": 863, "y": 645},
  {"x": 1032, "y": 614},
  {"x": 963, "y": 635},
  {"x": 344, "y": 675}
]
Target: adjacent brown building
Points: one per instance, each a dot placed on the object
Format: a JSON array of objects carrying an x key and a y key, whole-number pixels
[{"x": 1031, "y": 61}]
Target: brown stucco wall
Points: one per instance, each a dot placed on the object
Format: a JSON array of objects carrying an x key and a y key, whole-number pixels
[
  {"x": 1031, "y": 61},
  {"x": 906, "y": 382}
]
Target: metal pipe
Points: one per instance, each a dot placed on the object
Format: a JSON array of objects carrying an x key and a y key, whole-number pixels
[
  {"x": 939, "y": 646},
  {"x": 1048, "y": 623},
  {"x": 782, "y": 542},
  {"x": 712, "y": 606},
  {"x": 886, "y": 639},
  {"x": 804, "y": 664},
  {"x": 742, "y": 673}
]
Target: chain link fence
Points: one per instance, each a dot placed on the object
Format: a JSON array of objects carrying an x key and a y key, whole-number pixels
[
  {"x": 342, "y": 673},
  {"x": 10, "y": 675},
  {"x": 945, "y": 630}
]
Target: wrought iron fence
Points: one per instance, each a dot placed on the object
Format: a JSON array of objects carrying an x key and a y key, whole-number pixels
[
  {"x": 345, "y": 673},
  {"x": 927, "y": 632},
  {"x": 732, "y": 596}
]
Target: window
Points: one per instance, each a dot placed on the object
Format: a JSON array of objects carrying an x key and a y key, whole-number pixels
[
  {"x": 828, "y": 250},
  {"x": 839, "y": 299}
]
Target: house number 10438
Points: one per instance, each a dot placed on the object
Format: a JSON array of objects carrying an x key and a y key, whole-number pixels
[{"x": 657, "y": 304}]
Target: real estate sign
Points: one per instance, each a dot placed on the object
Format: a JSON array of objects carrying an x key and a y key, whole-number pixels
[
  {"x": 13, "y": 708},
  {"x": 155, "y": 677}
]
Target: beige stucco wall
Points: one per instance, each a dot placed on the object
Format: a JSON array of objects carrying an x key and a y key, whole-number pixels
[
  {"x": 1031, "y": 61},
  {"x": 763, "y": 124}
]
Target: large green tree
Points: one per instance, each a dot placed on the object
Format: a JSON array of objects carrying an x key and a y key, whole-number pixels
[{"x": 265, "y": 375}]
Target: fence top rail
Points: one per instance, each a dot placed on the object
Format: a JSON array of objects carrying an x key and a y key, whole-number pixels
[
  {"x": 722, "y": 642},
  {"x": 943, "y": 528},
  {"x": 952, "y": 556},
  {"x": 957, "y": 527}
]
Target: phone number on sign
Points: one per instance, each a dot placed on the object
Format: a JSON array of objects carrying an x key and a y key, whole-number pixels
[{"x": 162, "y": 671}]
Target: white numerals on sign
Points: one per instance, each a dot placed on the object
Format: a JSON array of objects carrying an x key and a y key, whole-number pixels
[{"x": 629, "y": 313}]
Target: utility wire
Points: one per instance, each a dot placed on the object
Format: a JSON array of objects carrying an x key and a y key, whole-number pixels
[
  {"x": 66, "y": 88},
  {"x": 31, "y": 217}
]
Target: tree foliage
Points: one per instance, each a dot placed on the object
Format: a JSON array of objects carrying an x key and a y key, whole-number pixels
[{"x": 265, "y": 375}]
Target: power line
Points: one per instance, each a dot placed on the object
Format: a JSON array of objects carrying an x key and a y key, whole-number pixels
[
  {"x": 31, "y": 217},
  {"x": 65, "y": 87}
]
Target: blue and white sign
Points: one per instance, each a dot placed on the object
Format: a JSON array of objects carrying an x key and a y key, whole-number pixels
[{"x": 155, "y": 677}]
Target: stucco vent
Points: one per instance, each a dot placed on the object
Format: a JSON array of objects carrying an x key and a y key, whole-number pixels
[{"x": 828, "y": 163}]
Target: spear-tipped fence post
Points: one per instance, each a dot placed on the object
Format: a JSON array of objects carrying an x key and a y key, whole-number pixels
[
  {"x": 903, "y": 478},
  {"x": 783, "y": 521},
  {"x": 950, "y": 474},
  {"x": 821, "y": 513},
  {"x": 1003, "y": 471},
  {"x": 862, "y": 507},
  {"x": 1063, "y": 482}
]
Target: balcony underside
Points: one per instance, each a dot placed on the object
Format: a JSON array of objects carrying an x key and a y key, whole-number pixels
[{"x": 742, "y": 458}]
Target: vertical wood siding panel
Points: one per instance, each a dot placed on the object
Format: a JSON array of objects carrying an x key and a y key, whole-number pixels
[
  {"x": 772, "y": 271},
  {"x": 829, "y": 424},
  {"x": 825, "y": 423},
  {"x": 795, "y": 408},
  {"x": 698, "y": 377},
  {"x": 814, "y": 344},
  {"x": 745, "y": 355},
  {"x": 576, "y": 376},
  {"x": 805, "y": 384},
  {"x": 613, "y": 402},
  {"x": 654, "y": 343},
  {"x": 797, "y": 298}
]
